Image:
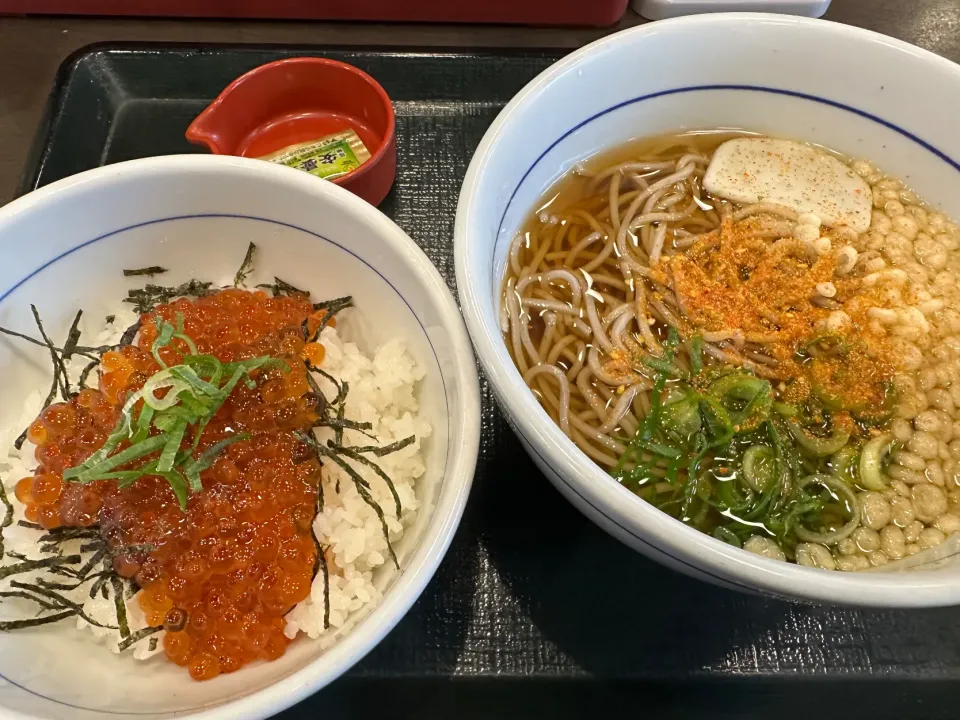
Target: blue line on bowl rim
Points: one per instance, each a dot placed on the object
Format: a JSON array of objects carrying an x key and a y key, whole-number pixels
[
  {"x": 235, "y": 217},
  {"x": 675, "y": 91},
  {"x": 699, "y": 88}
]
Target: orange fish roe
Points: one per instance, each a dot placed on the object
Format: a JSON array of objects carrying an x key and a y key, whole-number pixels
[
  {"x": 221, "y": 575},
  {"x": 735, "y": 279}
]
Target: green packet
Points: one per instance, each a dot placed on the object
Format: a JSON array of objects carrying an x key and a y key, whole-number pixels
[{"x": 329, "y": 157}]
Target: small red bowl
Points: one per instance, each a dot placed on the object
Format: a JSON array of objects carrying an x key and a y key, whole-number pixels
[{"x": 301, "y": 99}]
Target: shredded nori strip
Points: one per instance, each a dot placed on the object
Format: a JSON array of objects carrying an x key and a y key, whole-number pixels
[
  {"x": 98, "y": 556},
  {"x": 282, "y": 287},
  {"x": 322, "y": 558},
  {"x": 64, "y": 586},
  {"x": 131, "y": 550},
  {"x": 59, "y": 356},
  {"x": 34, "y": 622},
  {"x": 320, "y": 563},
  {"x": 85, "y": 374},
  {"x": 59, "y": 371},
  {"x": 133, "y": 639},
  {"x": 62, "y": 534},
  {"x": 336, "y": 305},
  {"x": 361, "y": 485},
  {"x": 332, "y": 307},
  {"x": 7, "y": 515},
  {"x": 44, "y": 604},
  {"x": 152, "y": 645},
  {"x": 30, "y": 565},
  {"x": 245, "y": 267},
  {"x": 101, "y": 583},
  {"x": 129, "y": 334},
  {"x": 381, "y": 451},
  {"x": 151, "y": 271},
  {"x": 83, "y": 350},
  {"x": 354, "y": 455},
  {"x": 110, "y": 319},
  {"x": 73, "y": 339},
  {"x": 26, "y": 524},
  {"x": 65, "y": 603},
  {"x": 121, "y": 604},
  {"x": 147, "y": 298}
]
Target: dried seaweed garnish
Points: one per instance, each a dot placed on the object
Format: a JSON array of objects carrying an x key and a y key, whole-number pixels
[
  {"x": 134, "y": 638},
  {"x": 332, "y": 307},
  {"x": 129, "y": 334},
  {"x": 152, "y": 645},
  {"x": 31, "y": 565},
  {"x": 59, "y": 370},
  {"x": 109, "y": 319},
  {"x": 322, "y": 559},
  {"x": 9, "y": 625},
  {"x": 27, "y": 524},
  {"x": 73, "y": 339},
  {"x": 120, "y": 603},
  {"x": 245, "y": 267},
  {"x": 85, "y": 374},
  {"x": 282, "y": 287},
  {"x": 44, "y": 604},
  {"x": 62, "y": 534},
  {"x": 320, "y": 562},
  {"x": 358, "y": 481},
  {"x": 83, "y": 350},
  {"x": 60, "y": 601},
  {"x": 151, "y": 271},
  {"x": 7, "y": 515},
  {"x": 59, "y": 356},
  {"x": 101, "y": 584},
  {"x": 97, "y": 557},
  {"x": 354, "y": 455},
  {"x": 383, "y": 450},
  {"x": 147, "y": 298},
  {"x": 73, "y": 586}
]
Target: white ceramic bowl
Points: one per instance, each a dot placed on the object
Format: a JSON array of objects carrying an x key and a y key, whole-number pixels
[
  {"x": 64, "y": 247},
  {"x": 848, "y": 89}
]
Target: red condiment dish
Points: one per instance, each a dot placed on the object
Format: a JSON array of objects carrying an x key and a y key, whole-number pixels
[{"x": 298, "y": 100}]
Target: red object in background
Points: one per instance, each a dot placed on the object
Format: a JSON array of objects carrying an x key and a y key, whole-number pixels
[
  {"x": 529, "y": 12},
  {"x": 293, "y": 101}
]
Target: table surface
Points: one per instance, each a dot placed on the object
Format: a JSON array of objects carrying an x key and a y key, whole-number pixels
[{"x": 31, "y": 49}]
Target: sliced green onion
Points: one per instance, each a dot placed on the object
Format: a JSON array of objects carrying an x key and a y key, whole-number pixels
[
  {"x": 189, "y": 376},
  {"x": 174, "y": 437},
  {"x": 134, "y": 452},
  {"x": 759, "y": 467},
  {"x": 820, "y": 447},
  {"x": 785, "y": 409},
  {"x": 164, "y": 336},
  {"x": 843, "y": 462},
  {"x": 842, "y": 491},
  {"x": 682, "y": 417},
  {"x": 696, "y": 355},
  {"x": 755, "y": 392},
  {"x": 871, "y": 462},
  {"x": 727, "y": 536}
]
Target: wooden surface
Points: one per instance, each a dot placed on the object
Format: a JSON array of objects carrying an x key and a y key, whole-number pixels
[{"x": 31, "y": 49}]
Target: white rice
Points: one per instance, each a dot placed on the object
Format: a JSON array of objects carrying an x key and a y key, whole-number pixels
[{"x": 382, "y": 391}]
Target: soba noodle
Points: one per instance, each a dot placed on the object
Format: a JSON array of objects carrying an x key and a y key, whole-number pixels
[{"x": 636, "y": 302}]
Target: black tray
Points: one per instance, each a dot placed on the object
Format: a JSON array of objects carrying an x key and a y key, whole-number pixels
[{"x": 534, "y": 612}]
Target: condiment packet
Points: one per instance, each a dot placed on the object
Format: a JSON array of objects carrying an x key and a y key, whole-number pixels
[{"x": 329, "y": 157}]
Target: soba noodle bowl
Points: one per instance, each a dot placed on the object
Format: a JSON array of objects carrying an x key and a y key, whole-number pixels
[{"x": 785, "y": 386}]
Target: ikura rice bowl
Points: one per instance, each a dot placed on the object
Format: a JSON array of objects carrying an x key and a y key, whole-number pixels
[
  {"x": 220, "y": 472},
  {"x": 757, "y": 336}
]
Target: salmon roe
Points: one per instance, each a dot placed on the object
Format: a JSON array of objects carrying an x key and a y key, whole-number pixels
[{"x": 220, "y": 576}]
